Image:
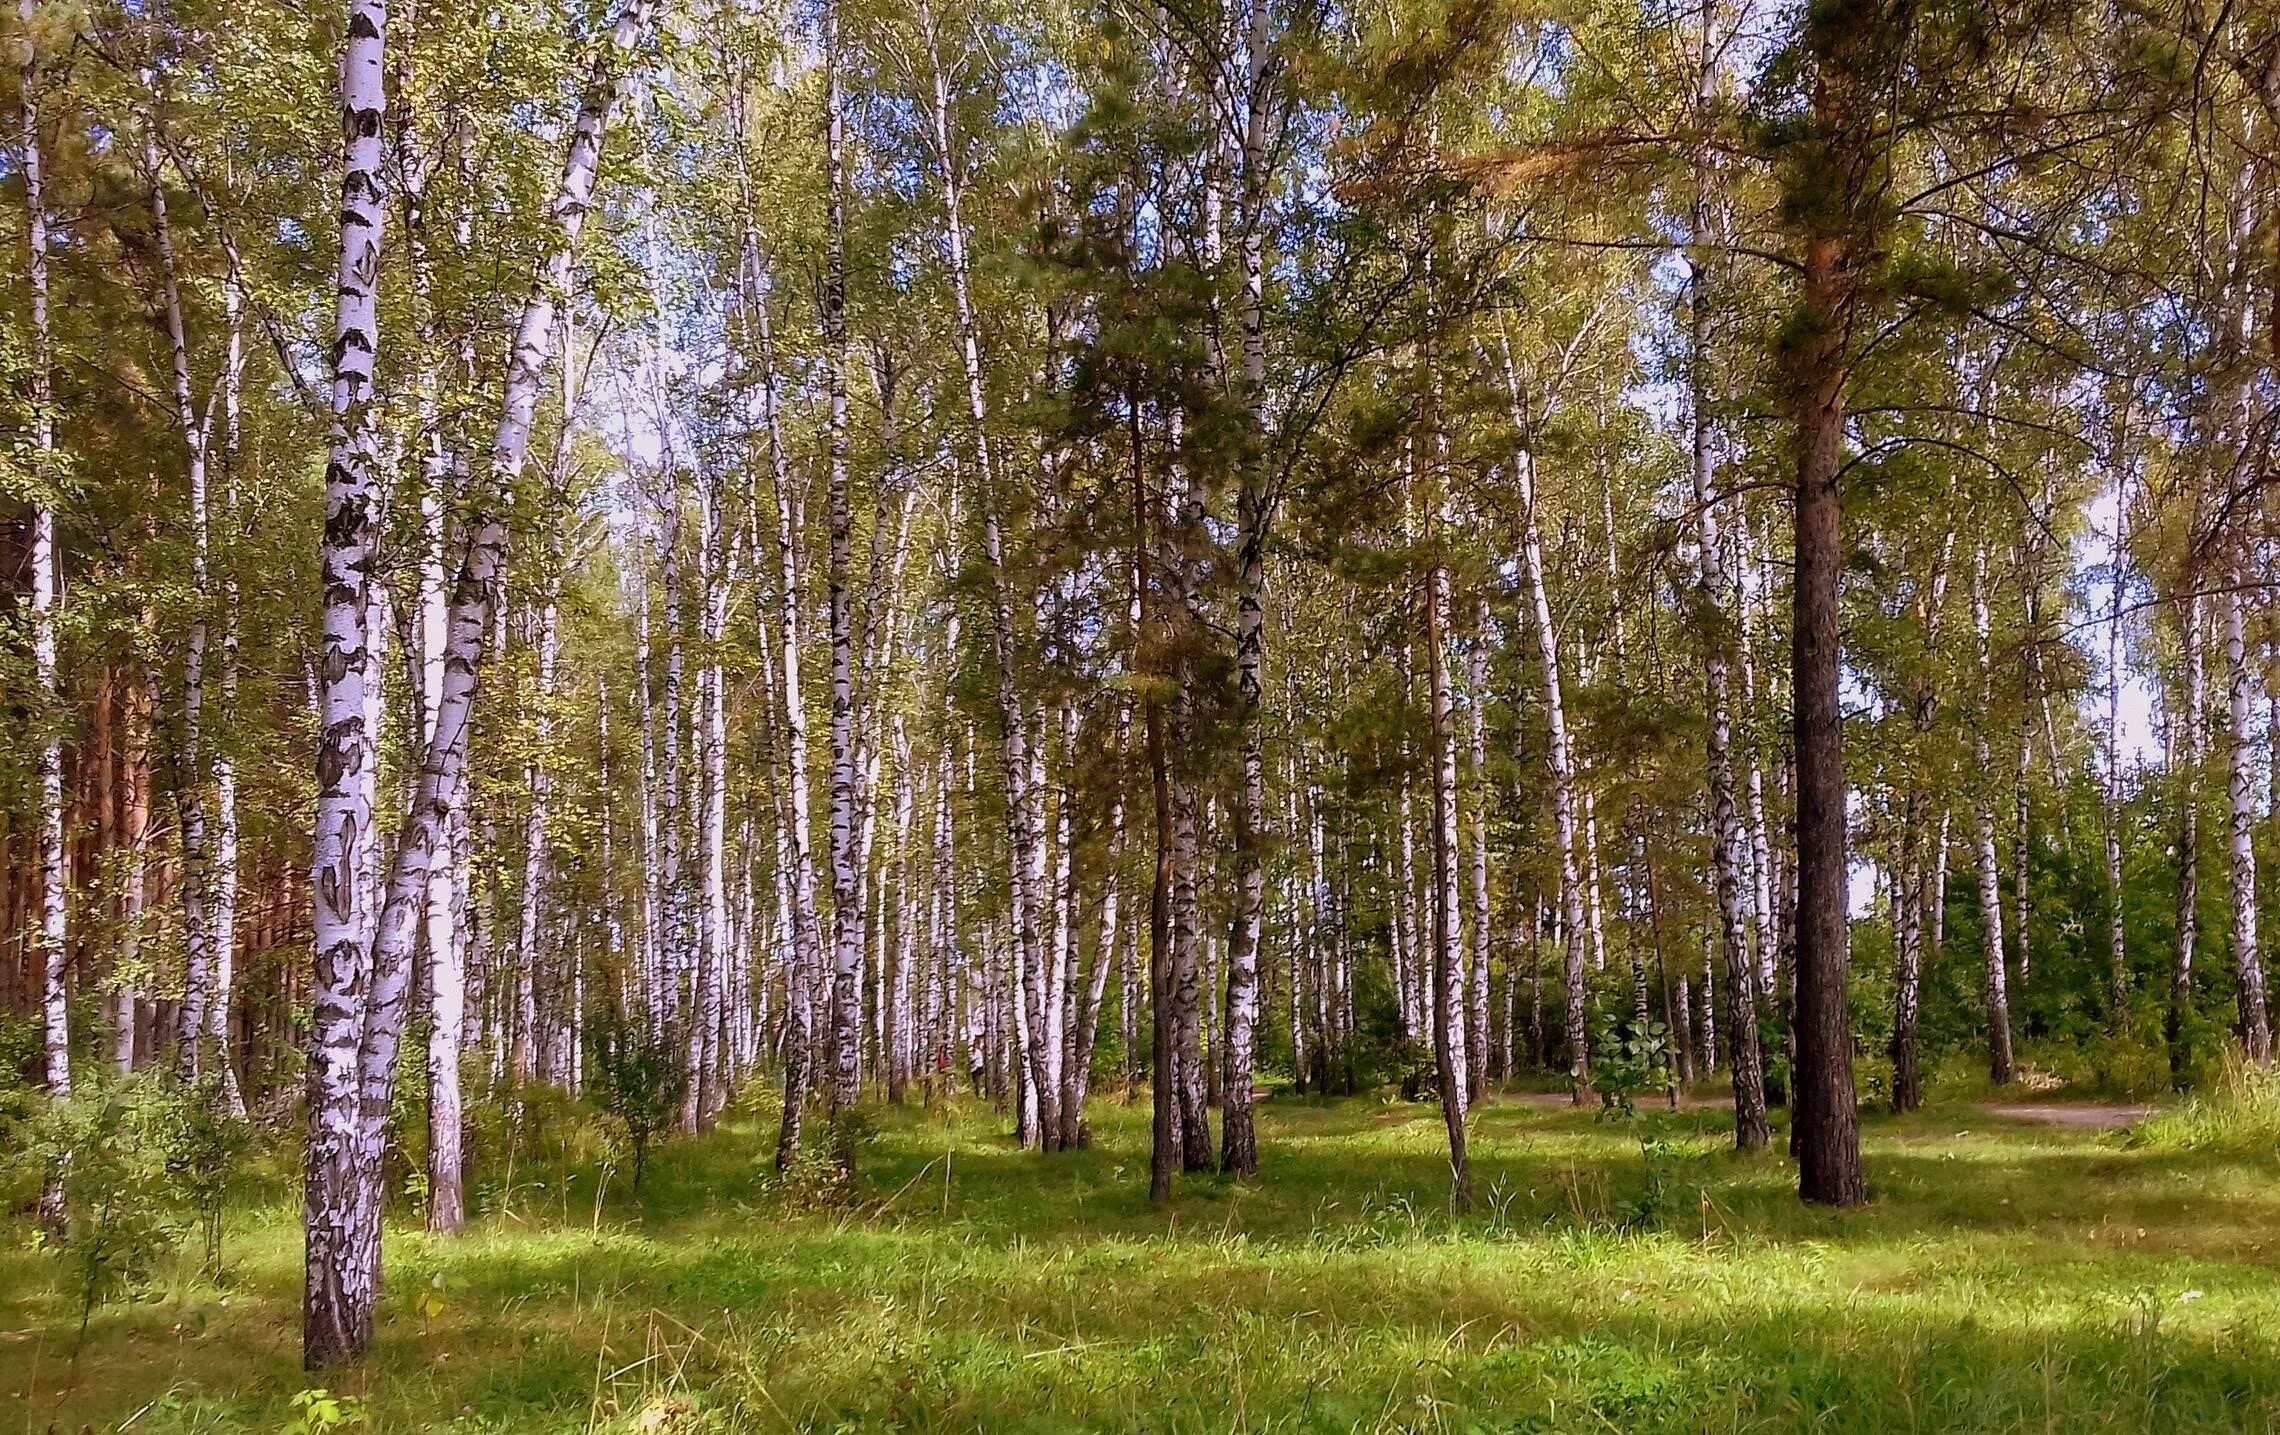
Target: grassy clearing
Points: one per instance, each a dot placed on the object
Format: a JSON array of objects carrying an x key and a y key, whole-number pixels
[{"x": 2007, "y": 1277}]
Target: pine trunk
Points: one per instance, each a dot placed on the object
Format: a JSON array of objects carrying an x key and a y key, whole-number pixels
[{"x": 1826, "y": 1119}]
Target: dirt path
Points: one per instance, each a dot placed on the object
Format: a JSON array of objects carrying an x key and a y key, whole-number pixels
[{"x": 2080, "y": 1115}]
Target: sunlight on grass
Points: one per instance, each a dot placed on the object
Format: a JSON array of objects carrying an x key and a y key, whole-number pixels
[{"x": 2005, "y": 1277}]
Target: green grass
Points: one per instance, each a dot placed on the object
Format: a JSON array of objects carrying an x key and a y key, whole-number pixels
[{"x": 2005, "y": 1277}]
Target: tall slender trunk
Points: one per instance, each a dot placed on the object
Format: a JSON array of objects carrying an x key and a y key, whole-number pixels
[
  {"x": 1476, "y": 739},
  {"x": 846, "y": 869},
  {"x": 707, "y": 1087},
  {"x": 805, "y": 955},
  {"x": 1060, "y": 949},
  {"x": 197, "y": 855},
  {"x": 1147, "y": 649},
  {"x": 1826, "y": 1123},
  {"x": 1239, "y": 1146},
  {"x": 446, "y": 946},
  {"x": 1448, "y": 1009},
  {"x": 1566, "y": 834},
  {"x": 46, "y": 602},
  {"x": 896, "y": 1037},
  {"x": 652, "y": 864},
  {"x": 1996, "y": 987},
  {"x": 361, "y": 991},
  {"x": 1239, "y": 1142},
  {"x": 225, "y": 887},
  {"x": 1023, "y": 841},
  {"x": 1762, "y": 857},
  {"x": 2117, "y": 941},
  {"x": 1186, "y": 993},
  {"x": 2177, "y": 1020},
  {"x": 537, "y": 856},
  {"x": 133, "y": 828},
  {"x": 342, "y": 1227},
  {"x": 2255, "y": 1023},
  {"x": 1403, "y": 917},
  {"x": 672, "y": 817},
  {"x": 1915, "y": 876},
  {"x": 1726, "y": 840}
]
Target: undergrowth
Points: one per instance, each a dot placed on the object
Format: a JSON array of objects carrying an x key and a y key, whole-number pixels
[{"x": 1627, "y": 1274}]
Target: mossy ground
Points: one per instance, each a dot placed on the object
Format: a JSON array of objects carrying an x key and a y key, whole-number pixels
[{"x": 2005, "y": 1277}]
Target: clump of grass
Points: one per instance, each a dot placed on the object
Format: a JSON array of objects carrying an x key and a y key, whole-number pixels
[
  {"x": 2239, "y": 1116},
  {"x": 2010, "y": 1279}
]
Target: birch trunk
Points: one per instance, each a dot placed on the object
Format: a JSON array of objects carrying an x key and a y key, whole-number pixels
[
  {"x": 1448, "y": 1009},
  {"x": 1239, "y": 1146},
  {"x": 1403, "y": 918},
  {"x": 652, "y": 865},
  {"x": 53, "y": 947},
  {"x": 1476, "y": 734},
  {"x": 896, "y": 1037},
  {"x": 707, "y": 1088},
  {"x": 361, "y": 992},
  {"x": 225, "y": 890},
  {"x": 846, "y": 868},
  {"x": 2255, "y": 1025},
  {"x": 1749, "y": 579},
  {"x": 1996, "y": 985},
  {"x": 806, "y": 955},
  {"x": 446, "y": 948},
  {"x": 536, "y": 855},
  {"x": 1563, "y": 783},
  {"x": 2180, "y": 1008},
  {"x": 1163, "y": 1121},
  {"x": 2117, "y": 944},
  {"x": 1023, "y": 841},
  {"x": 1746, "y": 1063},
  {"x": 197, "y": 856},
  {"x": 340, "y": 1216}
]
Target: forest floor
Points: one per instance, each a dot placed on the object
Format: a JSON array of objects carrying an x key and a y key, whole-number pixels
[{"x": 1613, "y": 1276}]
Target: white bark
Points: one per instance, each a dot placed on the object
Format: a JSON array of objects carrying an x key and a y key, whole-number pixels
[
  {"x": 707, "y": 1090},
  {"x": 341, "y": 1222},
  {"x": 46, "y": 597},
  {"x": 197, "y": 856},
  {"x": 846, "y": 867},
  {"x": 361, "y": 992},
  {"x": 2117, "y": 945},
  {"x": 1446, "y": 988},
  {"x": 1726, "y": 841},
  {"x": 1238, "y": 1138},
  {"x": 899, "y": 1050},
  {"x": 538, "y": 777},
  {"x": 2248, "y": 964},
  {"x": 1563, "y": 781},
  {"x": 1996, "y": 983},
  {"x": 805, "y": 956},
  {"x": 2189, "y": 832},
  {"x": 1476, "y": 734},
  {"x": 652, "y": 865}
]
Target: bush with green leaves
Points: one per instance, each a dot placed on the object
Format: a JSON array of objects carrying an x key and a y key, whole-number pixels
[
  {"x": 1631, "y": 1059},
  {"x": 640, "y": 1078},
  {"x": 141, "y": 1162}
]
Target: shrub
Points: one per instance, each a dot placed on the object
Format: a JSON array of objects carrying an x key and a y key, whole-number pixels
[
  {"x": 140, "y": 1162},
  {"x": 640, "y": 1078},
  {"x": 2239, "y": 1116}
]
